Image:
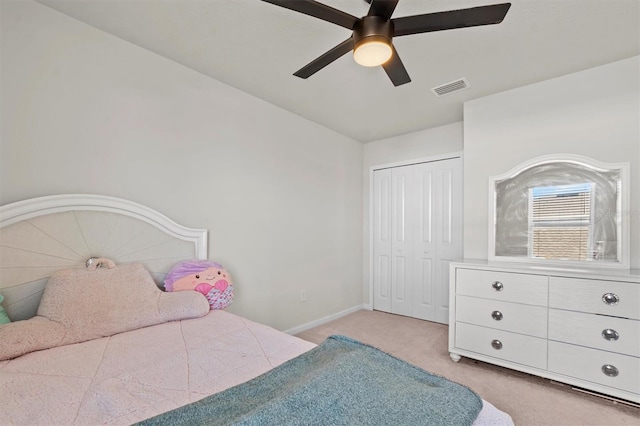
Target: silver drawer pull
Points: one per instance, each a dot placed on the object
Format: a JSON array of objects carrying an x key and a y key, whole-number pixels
[
  {"x": 497, "y": 315},
  {"x": 497, "y": 286},
  {"x": 610, "y": 370},
  {"x": 497, "y": 344},
  {"x": 610, "y": 299},
  {"x": 610, "y": 334}
]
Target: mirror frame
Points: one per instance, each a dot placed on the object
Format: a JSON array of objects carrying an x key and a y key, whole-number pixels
[{"x": 624, "y": 237}]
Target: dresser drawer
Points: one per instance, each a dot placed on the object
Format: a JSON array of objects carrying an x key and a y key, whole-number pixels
[
  {"x": 506, "y": 286},
  {"x": 588, "y": 364},
  {"x": 514, "y": 317},
  {"x": 595, "y": 331},
  {"x": 619, "y": 299},
  {"x": 517, "y": 348}
]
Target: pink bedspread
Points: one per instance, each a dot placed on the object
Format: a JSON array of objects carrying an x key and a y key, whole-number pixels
[{"x": 135, "y": 375}]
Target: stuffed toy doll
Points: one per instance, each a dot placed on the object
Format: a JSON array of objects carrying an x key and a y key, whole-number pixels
[{"x": 204, "y": 276}]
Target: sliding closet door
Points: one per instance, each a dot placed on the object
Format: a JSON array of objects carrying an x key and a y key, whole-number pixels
[
  {"x": 417, "y": 231},
  {"x": 424, "y": 242},
  {"x": 381, "y": 240},
  {"x": 438, "y": 236},
  {"x": 392, "y": 240},
  {"x": 402, "y": 227},
  {"x": 449, "y": 232}
]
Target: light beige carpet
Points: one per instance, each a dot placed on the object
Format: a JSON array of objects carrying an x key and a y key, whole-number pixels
[{"x": 529, "y": 400}]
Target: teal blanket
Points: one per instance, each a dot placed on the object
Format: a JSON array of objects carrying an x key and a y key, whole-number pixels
[{"x": 340, "y": 382}]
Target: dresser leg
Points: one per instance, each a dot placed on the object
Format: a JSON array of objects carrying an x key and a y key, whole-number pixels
[{"x": 455, "y": 357}]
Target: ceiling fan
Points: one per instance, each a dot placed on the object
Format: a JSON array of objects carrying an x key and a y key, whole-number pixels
[{"x": 372, "y": 34}]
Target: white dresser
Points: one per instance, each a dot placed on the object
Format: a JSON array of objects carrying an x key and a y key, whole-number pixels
[{"x": 580, "y": 327}]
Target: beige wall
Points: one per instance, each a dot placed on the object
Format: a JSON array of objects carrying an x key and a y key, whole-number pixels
[
  {"x": 85, "y": 112},
  {"x": 593, "y": 113},
  {"x": 425, "y": 144}
]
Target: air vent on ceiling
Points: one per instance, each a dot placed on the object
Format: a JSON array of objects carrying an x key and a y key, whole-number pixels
[{"x": 451, "y": 87}]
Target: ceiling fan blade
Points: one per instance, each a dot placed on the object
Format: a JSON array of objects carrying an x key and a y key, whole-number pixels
[
  {"x": 318, "y": 10},
  {"x": 395, "y": 69},
  {"x": 324, "y": 60},
  {"x": 472, "y": 17},
  {"x": 382, "y": 8}
]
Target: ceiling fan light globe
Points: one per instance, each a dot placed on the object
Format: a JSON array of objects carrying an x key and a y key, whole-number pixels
[{"x": 372, "y": 53}]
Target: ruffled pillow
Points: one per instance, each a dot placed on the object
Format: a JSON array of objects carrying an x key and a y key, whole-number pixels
[{"x": 79, "y": 305}]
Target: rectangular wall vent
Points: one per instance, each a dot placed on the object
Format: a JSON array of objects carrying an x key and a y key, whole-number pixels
[{"x": 451, "y": 87}]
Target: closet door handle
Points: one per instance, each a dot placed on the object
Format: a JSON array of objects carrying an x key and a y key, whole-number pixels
[
  {"x": 610, "y": 334},
  {"x": 610, "y": 299},
  {"x": 497, "y": 286}
]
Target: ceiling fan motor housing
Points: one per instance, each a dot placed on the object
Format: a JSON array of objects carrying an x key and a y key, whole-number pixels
[{"x": 372, "y": 28}]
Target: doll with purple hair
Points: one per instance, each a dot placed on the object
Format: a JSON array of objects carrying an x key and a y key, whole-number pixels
[{"x": 204, "y": 276}]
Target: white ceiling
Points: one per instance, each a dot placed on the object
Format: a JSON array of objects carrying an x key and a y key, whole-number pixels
[{"x": 256, "y": 47}]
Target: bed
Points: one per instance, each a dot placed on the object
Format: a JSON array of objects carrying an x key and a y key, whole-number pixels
[{"x": 140, "y": 371}]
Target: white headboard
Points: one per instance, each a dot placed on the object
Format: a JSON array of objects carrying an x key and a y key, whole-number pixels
[{"x": 42, "y": 235}]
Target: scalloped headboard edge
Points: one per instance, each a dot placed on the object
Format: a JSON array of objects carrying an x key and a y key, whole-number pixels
[{"x": 41, "y": 235}]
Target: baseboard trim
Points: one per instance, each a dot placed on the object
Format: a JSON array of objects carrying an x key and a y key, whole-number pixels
[{"x": 324, "y": 320}]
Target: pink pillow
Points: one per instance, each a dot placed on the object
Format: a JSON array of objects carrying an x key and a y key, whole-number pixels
[{"x": 79, "y": 305}]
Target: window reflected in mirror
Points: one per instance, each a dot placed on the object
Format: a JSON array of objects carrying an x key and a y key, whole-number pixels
[{"x": 561, "y": 222}]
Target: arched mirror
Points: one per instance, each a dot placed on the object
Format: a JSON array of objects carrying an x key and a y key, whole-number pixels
[{"x": 562, "y": 210}]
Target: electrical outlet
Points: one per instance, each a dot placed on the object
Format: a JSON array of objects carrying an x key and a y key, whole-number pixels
[{"x": 303, "y": 295}]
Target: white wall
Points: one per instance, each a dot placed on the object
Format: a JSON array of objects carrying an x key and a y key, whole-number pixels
[
  {"x": 594, "y": 113},
  {"x": 425, "y": 144},
  {"x": 85, "y": 112}
]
